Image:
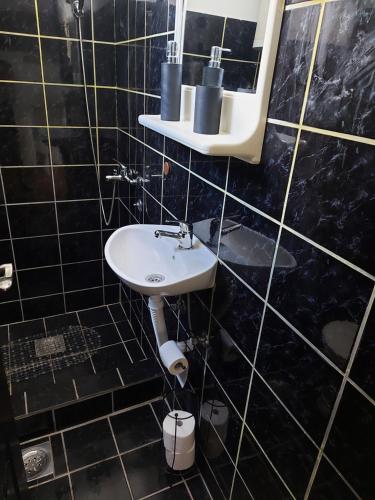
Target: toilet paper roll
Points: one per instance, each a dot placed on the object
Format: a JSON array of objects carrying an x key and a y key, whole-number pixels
[
  {"x": 216, "y": 413},
  {"x": 185, "y": 431},
  {"x": 173, "y": 359},
  {"x": 180, "y": 461}
]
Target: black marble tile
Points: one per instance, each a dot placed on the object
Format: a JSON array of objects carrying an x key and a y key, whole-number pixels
[
  {"x": 247, "y": 243},
  {"x": 153, "y": 171},
  {"x": 24, "y": 185},
  {"x": 110, "y": 357},
  {"x": 100, "y": 482},
  {"x": 239, "y": 38},
  {"x": 38, "y": 307},
  {"x": 349, "y": 445},
  {"x": 88, "y": 444},
  {"x": 146, "y": 384},
  {"x": 122, "y": 69},
  {"x": 76, "y": 216},
  {"x": 62, "y": 63},
  {"x": 293, "y": 61},
  {"x": 146, "y": 462},
  {"x": 107, "y": 145},
  {"x": 43, "y": 393},
  {"x": 73, "y": 183},
  {"x": 80, "y": 246},
  {"x": 104, "y": 13},
  {"x": 156, "y": 17},
  {"x": 21, "y": 104},
  {"x": 175, "y": 186},
  {"x": 290, "y": 451},
  {"x": 106, "y": 107},
  {"x": 362, "y": 371},
  {"x": 58, "y": 489},
  {"x": 328, "y": 484},
  {"x": 238, "y": 312},
  {"x": 67, "y": 106},
  {"x": 95, "y": 317},
  {"x": 264, "y": 185},
  {"x": 239, "y": 75},
  {"x": 135, "y": 351},
  {"x": 83, "y": 411},
  {"x": 42, "y": 281},
  {"x": 93, "y": 384},
  {"x": 178, "y": 491},
  {"x": 155, "y": 55},
  {"x": 57, "y": 19},
  {"x": 342, "y": 86},
  {"x": 36, "y": 252},
  {"x": 18, "y": 16},
  {"x": 61, "y": 321},
  {"x": 122, "y": 20},
  {"x": 214, "y": 169},
  {"x": 118, "y": 313},
  {"x": 105, "y": 58},
  {"x": 300, "y": 377},
  {"x": 71, "y": 146},
  {"x": 82, "y": 275},
  {"x": 107, "y": 335},
  {"x": 35, "y": 426},
  {"x": 198, "y": 488},
  {"x": 202, "y": 31},
  {"x": 32, "y": 219},
  {"x": 152, "y": 211},
  {"x": 233, "y": 371},
  {"x": 192, "y": 69},
  {"x": 333, "y": 187},
  {"x": 204, "y": 204},
  {"x": 214, "y": 437},
  {"x": 59, "y": 461},
  {"x": 24, "y": 146},
  {"x": 135, "y": 428},
  {"x": 321, "y": 297},
  {"x": 136, "y": 19},
  {"x": 6, "y": 253},
  {"x": 4, "y": 228},
  {"x": 26, "y": 329},
  {"x": 84, "y": 299},
  {"x": 9, "y": 312},
  {"x": 259, "y": 477},
  {"x": 19, "y": 58},
  {"x": 136, "y": 55}
]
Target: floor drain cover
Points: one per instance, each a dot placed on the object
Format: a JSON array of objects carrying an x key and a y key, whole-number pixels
[
  {"x": 37, "y": 461},
  {"x": 50, "y": 345},
  {"x": 155, "y": 278}
]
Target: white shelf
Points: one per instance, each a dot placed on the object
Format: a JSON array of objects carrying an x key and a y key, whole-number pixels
[{"x": 243, "y": 117}]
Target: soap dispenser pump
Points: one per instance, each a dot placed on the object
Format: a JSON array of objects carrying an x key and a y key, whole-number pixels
[
  {"x": 171, "y": 80},
  {"x": 209, "y": 95}
]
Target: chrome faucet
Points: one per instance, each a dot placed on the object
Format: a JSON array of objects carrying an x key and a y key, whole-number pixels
[{"x": 184, "y": 236}]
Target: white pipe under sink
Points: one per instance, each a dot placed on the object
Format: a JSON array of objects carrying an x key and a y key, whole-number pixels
[{"x": 156, "y": 306}]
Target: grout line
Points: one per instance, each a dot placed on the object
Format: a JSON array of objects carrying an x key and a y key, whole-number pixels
[
  {"x": 119, "y": 457},
  {"x": 146, "y": 37},
  {"x": 227, "y": 59},
  {"x": 340, "y": 394}
]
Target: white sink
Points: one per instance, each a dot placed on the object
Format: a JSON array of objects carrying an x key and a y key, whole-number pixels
[{"x": 157, "y": 266}]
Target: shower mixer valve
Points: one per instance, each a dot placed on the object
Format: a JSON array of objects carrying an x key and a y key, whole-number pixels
[{"x": 126, "y": 174}]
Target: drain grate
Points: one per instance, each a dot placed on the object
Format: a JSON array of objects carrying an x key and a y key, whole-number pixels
[
  {"x": 50, "y": 345},
  {"x": 37, "y": 461},
  {"x": 155, "y": 278}
]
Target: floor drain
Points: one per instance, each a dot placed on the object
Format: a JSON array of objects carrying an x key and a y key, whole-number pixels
[
  {"x": 155, "y": 278},
  {"x": 37, "y": 461}
]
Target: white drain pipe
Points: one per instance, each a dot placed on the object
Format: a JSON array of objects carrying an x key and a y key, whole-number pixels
[{"x": 170, "y": 353}]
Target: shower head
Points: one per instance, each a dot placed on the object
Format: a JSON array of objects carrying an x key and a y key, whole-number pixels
[{"x": 77, "y": 6}]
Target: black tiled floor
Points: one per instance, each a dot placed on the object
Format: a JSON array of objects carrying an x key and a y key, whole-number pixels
[
  {"x": 101, "y": 482},
  {"x": 61, "y": 321},
  {"x": 95, "y": 317},
  {"x": 54, "y": 490},
  {"x": 88, "y": 444},
  {"x": 178, "y": 491},
  {"x": 147, "y": 462},
  {"x": 198, "y": 489},
  {"x": 135, "y": 428}
]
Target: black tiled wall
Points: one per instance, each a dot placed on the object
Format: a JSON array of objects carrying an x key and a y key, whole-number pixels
[
  {"x": 291, "y": 321},
  {"x": 50, "y": 222}
]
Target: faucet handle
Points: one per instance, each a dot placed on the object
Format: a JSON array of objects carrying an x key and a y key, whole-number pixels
[{"x": 181, "y": 222}]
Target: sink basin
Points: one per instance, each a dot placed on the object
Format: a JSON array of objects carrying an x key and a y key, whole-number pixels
[{"x": 157, "y": 266}]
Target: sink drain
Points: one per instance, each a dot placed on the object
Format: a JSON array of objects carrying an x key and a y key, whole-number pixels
[
  {"x": 155, "y": 278},
  {"x": 37, "y": 461}
]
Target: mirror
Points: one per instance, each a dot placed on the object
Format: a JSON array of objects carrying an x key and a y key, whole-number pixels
[{"x": 238, "y": 25}]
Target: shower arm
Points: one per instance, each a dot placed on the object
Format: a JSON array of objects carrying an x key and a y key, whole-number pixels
[{"x": 77, "y": 6}]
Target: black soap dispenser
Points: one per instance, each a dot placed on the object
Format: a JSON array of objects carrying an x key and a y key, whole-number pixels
[
  {"x": 171, "y": 80},
  {"x": 209, "y": 96}
]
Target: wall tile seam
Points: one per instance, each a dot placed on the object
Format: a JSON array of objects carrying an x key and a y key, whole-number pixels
[{"x": 51, "y": 37}]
